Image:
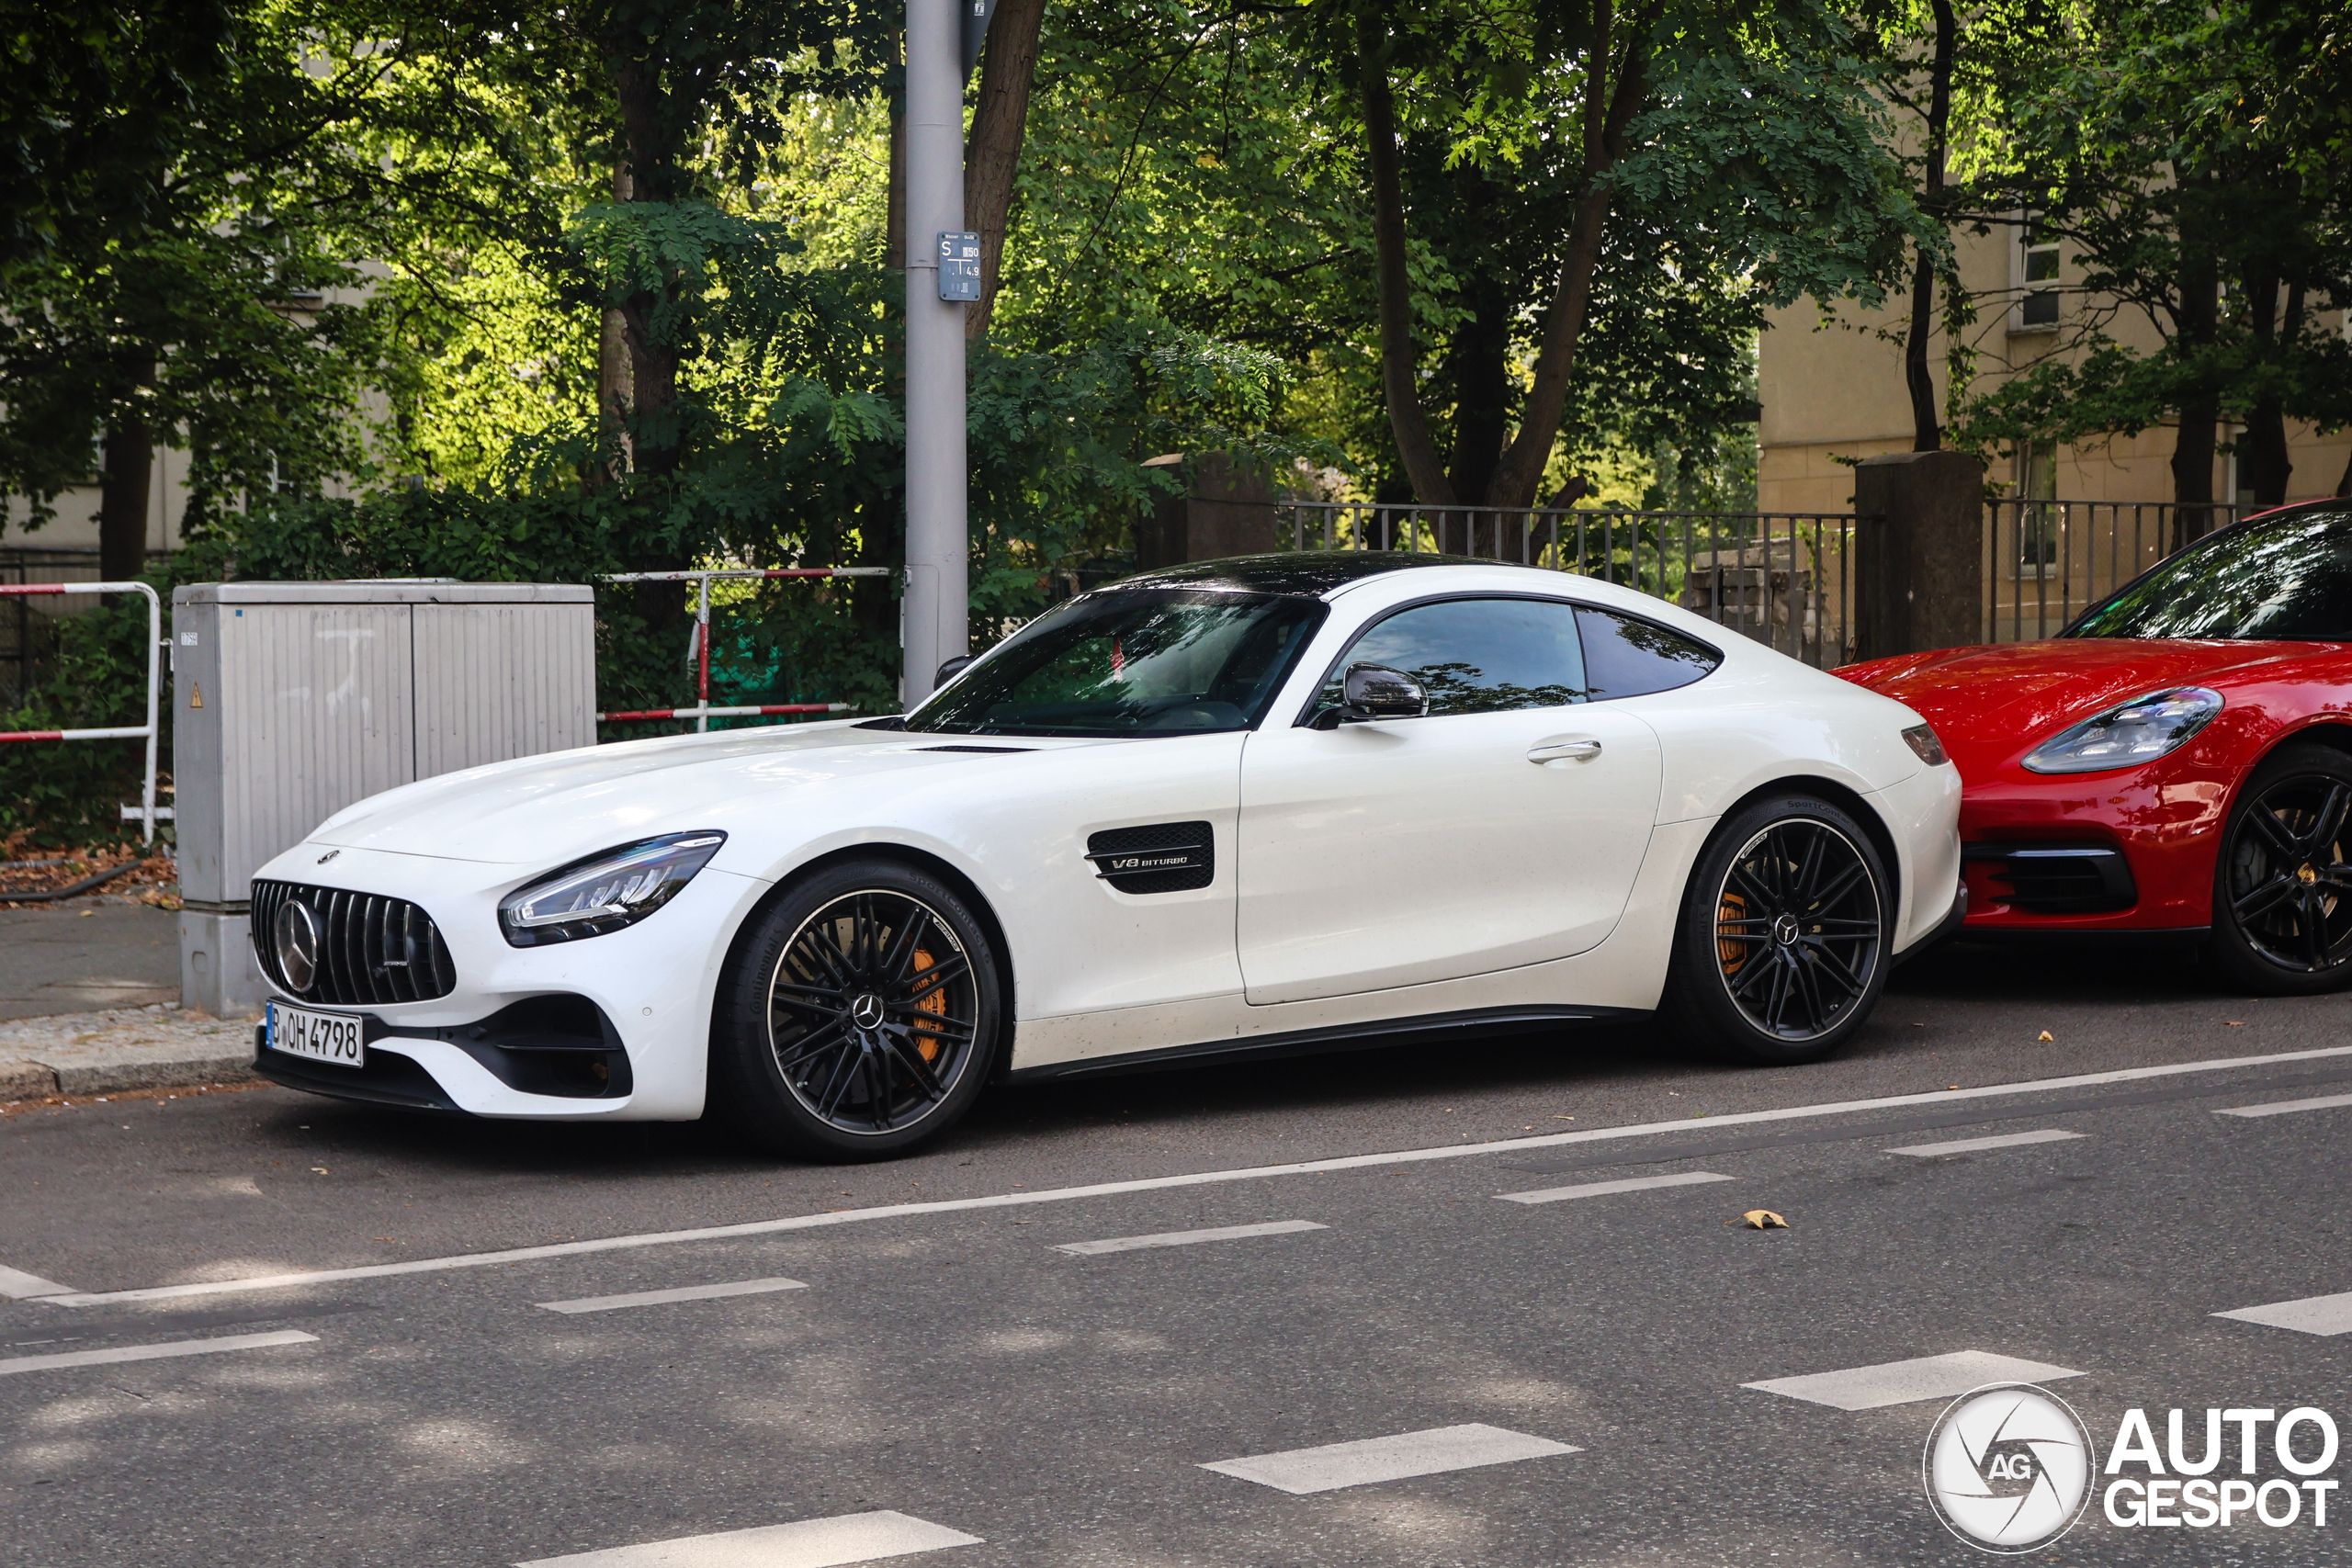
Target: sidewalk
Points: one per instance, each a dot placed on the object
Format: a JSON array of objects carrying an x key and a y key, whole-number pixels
[
  {"x": 89, "y": 1004},
  {"x": 105, "y": 1053}
]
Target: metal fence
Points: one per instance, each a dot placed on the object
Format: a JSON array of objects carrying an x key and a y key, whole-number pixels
[
  {"x": 2047, "y": 561},
  {"x": 1782, "y": 578},
  {"x": 29, "y": 622}
]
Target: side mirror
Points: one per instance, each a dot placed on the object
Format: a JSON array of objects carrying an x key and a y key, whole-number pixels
[
  {"x": 1375, "y": 691},
  {"x": 950, "y": 670}
]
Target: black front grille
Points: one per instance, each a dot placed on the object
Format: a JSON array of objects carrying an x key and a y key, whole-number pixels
[
  {"x": 2061, "y": 879},
  {"x": 374, "y": 950},
  {"x": 1167, "y": 857}
]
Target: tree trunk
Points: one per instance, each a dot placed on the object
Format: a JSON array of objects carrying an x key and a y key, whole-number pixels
[
  {"x": 1608, "y": 111},
  {"x": 615, "y": 381},
  {"x": 657, "y": 447},
  {"x": 2264, "y": 463},
  {"x": 1927, "y": 432},
  {"x": 1478, "y": 364},
  {"x": 122, "y": 498},
  {"x": 1398, "y": 361},
  {"x": 999, "y": 121},
  {"x": 2199, "y": 404}
]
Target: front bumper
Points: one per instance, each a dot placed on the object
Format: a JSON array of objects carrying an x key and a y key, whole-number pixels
[{"x": 638, "y": 1000}]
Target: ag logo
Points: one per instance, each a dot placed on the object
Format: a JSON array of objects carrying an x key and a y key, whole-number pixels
[{"x": 2009, "y": 1468}]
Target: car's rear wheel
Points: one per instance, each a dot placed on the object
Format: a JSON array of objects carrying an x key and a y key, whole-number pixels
[
  {"x": 1781, "y": 949},
  {"x": 2283, "y": 891},
  {"x": 857, "y": 1016}
]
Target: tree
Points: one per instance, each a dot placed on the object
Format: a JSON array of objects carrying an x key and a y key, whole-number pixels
[
  {"x": 1737, "y": 137},
  {"x": 166, "y": 258},
  {"x": 2184, "y": 157}
]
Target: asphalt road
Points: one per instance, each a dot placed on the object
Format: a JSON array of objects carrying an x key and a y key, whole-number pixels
[{"x": 953, "y": 1367}]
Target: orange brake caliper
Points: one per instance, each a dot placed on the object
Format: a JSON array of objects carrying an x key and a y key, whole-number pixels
[
  {"x": 935, "y": 1003},
  {"x": 1733, "y": 953}
]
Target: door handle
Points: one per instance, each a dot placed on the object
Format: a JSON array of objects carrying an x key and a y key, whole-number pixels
[{"x": 1564, "y": 751}]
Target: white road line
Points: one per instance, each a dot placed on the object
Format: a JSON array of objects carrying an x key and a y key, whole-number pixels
[
  {"x": 1902, "y": 1383},
  {"x": 153, "y": 1352},
  {"x": 19, "y": 1286},
  {"x": 683, "y": 1293},
  {"x": 2312, "y": 1315},
  {"x": 1999, "y": 1141},
  {"x": 804, "y": 1543},
  {"x": 1160, "y": 1183},
  {"x": 1440, "y": 1448},
  {"x": 1602, "y": 1189},
  {"x": 1186, "y": 1238},
  {"x": 2281, "y": 1107}
]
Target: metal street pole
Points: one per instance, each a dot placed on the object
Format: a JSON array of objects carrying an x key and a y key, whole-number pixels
[{"x": 938, "y": 549}]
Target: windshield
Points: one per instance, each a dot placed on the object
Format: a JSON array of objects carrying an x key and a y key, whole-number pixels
[
  {"x": 2290, "y": 580},
  {"x": 1146, "y": 662}
]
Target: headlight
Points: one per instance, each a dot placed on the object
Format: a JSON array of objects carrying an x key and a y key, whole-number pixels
[
  {"x": 606, "y": 892},
  {"x": 1921, "y": 739},
  {"x": 2125, "y": 736}
]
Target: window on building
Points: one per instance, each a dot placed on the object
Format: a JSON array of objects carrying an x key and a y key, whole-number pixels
[{"x": 2037, "y": 276}]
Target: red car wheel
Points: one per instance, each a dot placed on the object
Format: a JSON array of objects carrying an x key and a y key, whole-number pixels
[{"x": 2283, "y": 891}]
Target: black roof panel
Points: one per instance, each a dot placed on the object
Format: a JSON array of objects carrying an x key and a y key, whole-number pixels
[{"x": 1302, "y": 574}]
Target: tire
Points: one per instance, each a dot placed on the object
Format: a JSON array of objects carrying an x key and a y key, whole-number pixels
[
  {"x": 1791, "y": 884},
  {"x": 2282, "y": 889},
  {"x": 858, "y": 1017}
]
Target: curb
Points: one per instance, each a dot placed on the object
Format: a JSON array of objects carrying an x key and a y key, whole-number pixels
[{"x": 34, "y": 1079}]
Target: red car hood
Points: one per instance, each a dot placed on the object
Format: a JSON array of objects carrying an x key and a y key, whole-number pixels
[{"x": 1989, "y": 705}]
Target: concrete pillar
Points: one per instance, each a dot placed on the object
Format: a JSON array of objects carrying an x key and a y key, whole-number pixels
[
  {"x": 1228, "y": 509},
  {"x": 1918, "y": 553}
]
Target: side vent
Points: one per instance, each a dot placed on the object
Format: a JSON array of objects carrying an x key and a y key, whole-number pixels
[{"x": 1168, "y": 857}]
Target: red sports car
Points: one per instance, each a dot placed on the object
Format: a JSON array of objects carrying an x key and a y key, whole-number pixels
[{"x": 2179, "y": 759}]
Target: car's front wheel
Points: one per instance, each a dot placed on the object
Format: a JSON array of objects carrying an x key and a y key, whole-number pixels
[
  {"x": 2283, "y": 891},
  {"x": 857, "y": 1015},
  {"x": 1781, "y": 949}
]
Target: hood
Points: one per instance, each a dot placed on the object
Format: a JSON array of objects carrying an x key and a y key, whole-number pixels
[
  {"x": 1989, "y": 705},
  {"x": 563, "y": 805}
]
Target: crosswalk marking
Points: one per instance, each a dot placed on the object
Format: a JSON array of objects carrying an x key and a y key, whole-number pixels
[
  {"x": 1440, "y": 1448},
  {"x": 804, "y": 1543},
  {"x": 1998, "y": 1140},
  {"x": 2312, "y": 1315},
  {"x": 1602, "y": 1189},
  {"x": 2281, "y": 1107},
  {"x": 1902, "y": 1383},
  {"x": 18, "y": 1285},
  {"x": 153, "y": 1352},
  {"x": 682, "y": 1294},
  {"x": 1186, "y": 1238}
]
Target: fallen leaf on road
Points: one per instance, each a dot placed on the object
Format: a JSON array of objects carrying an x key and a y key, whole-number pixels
[
  {"x": 2236, "y": 1023},
  {"x": 2044, "y": 1038},
  {"x": 318, "y": 1170},
  {"x": 1763, "y": 1220}
]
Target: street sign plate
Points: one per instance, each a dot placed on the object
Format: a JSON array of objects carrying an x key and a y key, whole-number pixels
[{"x": 959, "y": 267}]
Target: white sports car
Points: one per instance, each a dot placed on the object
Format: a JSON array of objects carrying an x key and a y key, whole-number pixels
[{"x": 1271, "y": 805}]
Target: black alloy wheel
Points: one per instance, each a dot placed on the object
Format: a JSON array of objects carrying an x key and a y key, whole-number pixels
[
  {"x": 2282, "y": 890},
  {"x": 1783, "y": 944},
  {"x": 858, "y": 1018}
]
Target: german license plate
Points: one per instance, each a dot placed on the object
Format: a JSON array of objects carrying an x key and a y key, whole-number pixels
[{"x": 322, "y": 1036}]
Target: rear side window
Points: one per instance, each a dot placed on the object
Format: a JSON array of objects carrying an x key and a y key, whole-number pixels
[{"x": 1625, "y": 657}]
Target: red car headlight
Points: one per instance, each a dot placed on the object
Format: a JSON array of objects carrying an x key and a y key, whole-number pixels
[{"x": 2128, "y": 733}]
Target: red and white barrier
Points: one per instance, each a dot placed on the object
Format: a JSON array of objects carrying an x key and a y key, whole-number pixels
[
  {"x": 148, "y": 813},
  {"x": 698, "y": 641}
]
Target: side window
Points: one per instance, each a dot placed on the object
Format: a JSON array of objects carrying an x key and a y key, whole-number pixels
[
  {"x": 1477, "y": 655},
  {"x": 1624, "y": 657}
]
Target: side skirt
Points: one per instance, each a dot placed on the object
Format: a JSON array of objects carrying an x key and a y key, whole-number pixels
[{"x": 1429, "y": 1029}]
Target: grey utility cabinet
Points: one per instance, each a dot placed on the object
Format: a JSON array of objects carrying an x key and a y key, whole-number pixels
[{"x": 292, "y": 700}]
